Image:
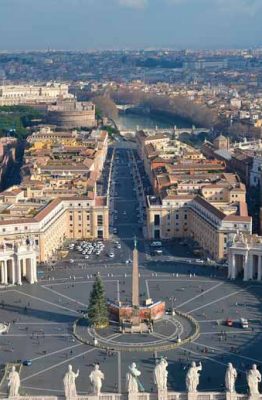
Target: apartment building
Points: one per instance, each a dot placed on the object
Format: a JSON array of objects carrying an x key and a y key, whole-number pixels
[
  {"x": 48, "y": 223},
  {"x": 196, "y": 198},
  {"x": 33, "y": 94}
]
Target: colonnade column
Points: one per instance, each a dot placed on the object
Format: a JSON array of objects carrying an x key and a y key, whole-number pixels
[
  {"x": 232, "y": 266},
  {"x": 259, "y": 268},
  {"x": 4, "y": 272},
  {"x": 246, "y": 267},
  {"x": 18, "y": 272},
  {"x": 13, "y": 271},
  {"x": 34, "y": 269}
]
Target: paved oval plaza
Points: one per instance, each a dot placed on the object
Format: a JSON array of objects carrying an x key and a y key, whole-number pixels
[{"x": 41, "y": 317}]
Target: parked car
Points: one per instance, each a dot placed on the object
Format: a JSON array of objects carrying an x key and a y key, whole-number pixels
[
  {"x": 244, "y": 323},
  {"x": 27, "y": 363},
  {"x": 156, "y": 244},
  {"x": 229, "y": 322}
]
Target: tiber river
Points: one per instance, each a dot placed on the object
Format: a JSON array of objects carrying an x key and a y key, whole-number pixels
[{"x": 134, "y": 121}]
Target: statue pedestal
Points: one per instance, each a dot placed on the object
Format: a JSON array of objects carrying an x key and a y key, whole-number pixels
[
  {"x": 254, "y": 396},
  {"x": 162, "y": 394},
  {"x": 132, "y": 396},
  {"x": 192, "y": 395},
  {"x": 231, "y": 396}
]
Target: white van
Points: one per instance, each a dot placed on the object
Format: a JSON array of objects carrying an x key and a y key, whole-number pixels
[{"x": 244, "y": 323}]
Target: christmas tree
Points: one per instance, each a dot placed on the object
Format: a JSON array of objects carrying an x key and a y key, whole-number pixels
[{"x": 97, "y": 308}]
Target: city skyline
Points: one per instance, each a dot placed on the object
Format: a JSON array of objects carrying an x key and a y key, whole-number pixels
[{"x": 129, "y": 24}]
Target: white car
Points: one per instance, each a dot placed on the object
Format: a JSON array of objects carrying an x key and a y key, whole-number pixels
[
  {"x": 111, "y": 255},
  {"x": 199, "y": 261},
  {"x": 71, "y": 261},
  {"x": 87, "y": 257}
]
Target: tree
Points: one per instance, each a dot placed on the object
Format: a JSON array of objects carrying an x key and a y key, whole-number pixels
[{"x": 97, "y": 308}]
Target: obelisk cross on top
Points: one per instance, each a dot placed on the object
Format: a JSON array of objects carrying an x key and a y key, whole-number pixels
[{"x": 135, "y": 277}]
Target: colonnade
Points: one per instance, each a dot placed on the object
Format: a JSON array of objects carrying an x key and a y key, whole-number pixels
[
  {"x": 17, "y": 262},
  {"x": 246, "y": 263}
]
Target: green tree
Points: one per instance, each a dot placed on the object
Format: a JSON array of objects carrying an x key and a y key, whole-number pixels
[{"x": 97, "y": 308}]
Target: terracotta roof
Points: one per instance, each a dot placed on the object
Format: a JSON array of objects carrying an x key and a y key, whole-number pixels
[
  {"x": 237, "y": 218},
  {"x": 209, "y": 207}
]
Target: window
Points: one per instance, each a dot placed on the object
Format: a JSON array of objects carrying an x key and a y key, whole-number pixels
[
  {"x": 100, "y": 220},
  {"x": 185, "y": 216},
  {"x": 157, "y": 219},
  {"x": 16, "y": 229},
  {"x": 88, "y": 217},
  {"x": 177, "y": 216},
  {"x": 79, "y": 231},
  {"x": 79, "y": 217},
  {"x": 71, "y": 218}
]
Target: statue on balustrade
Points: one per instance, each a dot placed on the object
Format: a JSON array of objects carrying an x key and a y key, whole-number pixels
[
  {"x": 13, "y": 382},
  {"x": 192, "y": 377},
  {"x": 132, "y": 381},
  {"x": 230, "y": 378},
  {"x": 253, "y": 380},
  {"x": 161, "y": 373},
  {"x": 96, "y": 377},
  {"x": 69, "y": 383}
]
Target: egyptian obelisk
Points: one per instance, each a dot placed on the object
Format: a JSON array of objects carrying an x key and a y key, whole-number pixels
[{"x": 135, "y": 277}]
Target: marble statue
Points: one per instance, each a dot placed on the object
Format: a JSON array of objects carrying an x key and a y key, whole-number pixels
[
  {"x": 96, "y": 377},
  {"x": 253, "y": 380},
  {"x": 160, "y": 374},
  {"x": 13, "y": 382},
  {"x": 192, "y": 377},
  {"x": 133, "y": 384},
  {"x": 230, "y": 378},
  {"x": 69, "y": 383}
]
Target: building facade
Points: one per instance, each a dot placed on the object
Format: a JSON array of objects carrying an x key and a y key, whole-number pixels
[
  {"x": 33, "y": 94},
  {"x": 60, "y": 219}
]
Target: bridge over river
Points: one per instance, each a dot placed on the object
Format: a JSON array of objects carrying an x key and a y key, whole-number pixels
[{"x": 176, "y": 132}]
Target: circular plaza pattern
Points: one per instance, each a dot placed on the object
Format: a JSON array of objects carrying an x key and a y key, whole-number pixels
[
  {"x": 168, "y": 333},
  {"x": 41, "y": 318}
]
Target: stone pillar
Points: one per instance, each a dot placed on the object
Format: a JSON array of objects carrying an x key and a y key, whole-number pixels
[
  {"x": 13, "y": 271},
  {"x": 18, "y": 272},
  {"x": 259, "y": 268},
  {"x": 246, "y": 267},
  {"x": 250, "y": 266},
  {"x": 2, "y": 271},
  {"x": 34, "y": 269},
  {"x": 23, "y": 267},
  {"x": 29, "y": 270},
  {"x": 5, "y": 278},
  {"x": 232, "y": 266}
]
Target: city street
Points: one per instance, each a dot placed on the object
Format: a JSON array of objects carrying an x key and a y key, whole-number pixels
[{"x": 41, "y": 316}]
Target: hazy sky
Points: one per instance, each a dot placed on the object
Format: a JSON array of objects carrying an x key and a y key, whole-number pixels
[{"x": 91, "y": 24}]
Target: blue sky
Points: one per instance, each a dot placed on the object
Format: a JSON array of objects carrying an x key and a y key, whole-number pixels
[{"x": 106, "y": 24}]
